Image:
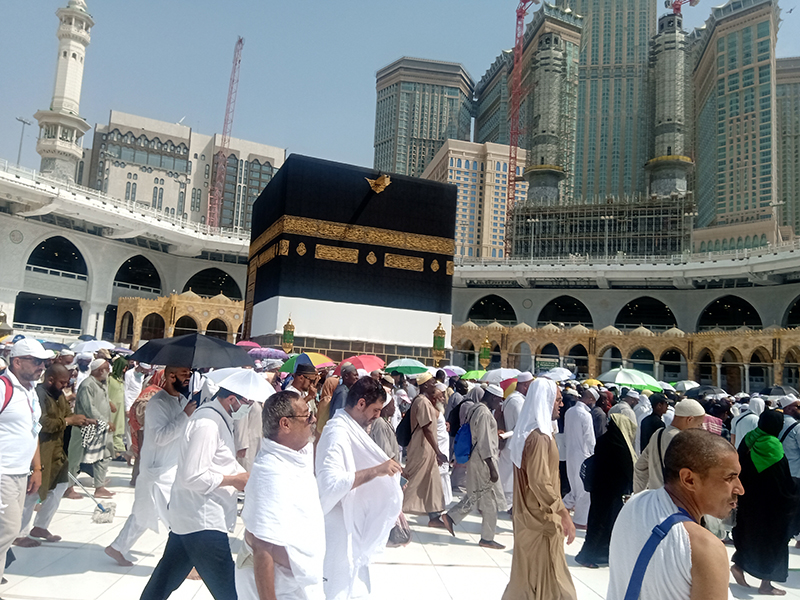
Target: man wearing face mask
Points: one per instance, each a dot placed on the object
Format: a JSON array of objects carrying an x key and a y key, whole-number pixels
[
  {"x": 202, "y": 507},
  {"x": 166, "y": 417}
]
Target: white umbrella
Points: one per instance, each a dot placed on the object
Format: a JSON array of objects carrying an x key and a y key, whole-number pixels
[
  {"x": 742, "y": 395},
  {"x": 685, "y": 385},
  {"x": 558, "y": 374},
  {"x": 457, "y": 370},
  {"x": 630, "y": 378},
  {"x": 666, "y": 386},
  {"x": 498, "y": 375},
  {"x": 218, "y": 375},
  {"x": 248, "y": 384},
  {"x": 92, "y": 346}
]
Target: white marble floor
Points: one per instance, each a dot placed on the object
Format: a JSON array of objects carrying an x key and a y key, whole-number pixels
[{"x": 433, "y": 566}]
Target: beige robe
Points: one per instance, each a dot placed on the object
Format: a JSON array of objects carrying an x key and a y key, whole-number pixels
[
  {"x": 423, "y": 494},
  {"x": 538, "y": 566}
]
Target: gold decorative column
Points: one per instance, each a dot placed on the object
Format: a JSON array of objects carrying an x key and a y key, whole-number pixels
[
  {"x": 485, "y": 356},
  {"x": 439, "y": 336},
  {"x": 287, "y": 341}
]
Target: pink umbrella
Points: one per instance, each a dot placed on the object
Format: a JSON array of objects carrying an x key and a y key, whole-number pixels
[
  {"x": 368, "y": 362},
  {"x": 248, "y": 344},
  {"x": 262, "y": 353}
]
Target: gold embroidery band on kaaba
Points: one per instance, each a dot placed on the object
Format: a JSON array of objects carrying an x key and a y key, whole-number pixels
[
  {"x": 328, "y": 230},
  {"x": 407, "y": 263},
  {"x": 346, "y": 255}
]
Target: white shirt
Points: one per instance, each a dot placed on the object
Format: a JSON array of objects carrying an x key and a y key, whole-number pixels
[
  {"x": 133, "y": 387},
  {"x": 80, "y": 377},
  {"x": 164, "y": 425},
  {"x": 207, "y": 454},
  {"x": 19, "y": 427},
  {"x": 579, "y": 433}
]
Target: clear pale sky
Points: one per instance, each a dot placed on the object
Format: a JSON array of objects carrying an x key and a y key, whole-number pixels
[{"x": 308, "y": 68}]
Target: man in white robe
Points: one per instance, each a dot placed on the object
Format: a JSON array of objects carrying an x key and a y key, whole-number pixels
[
  {"x": 166, "y": 416},
  {"x": 247, "y": 434},
  {"x": 512, "y": 407},
  {"x": 359, "y": 488},
  {"x": 642, "y": 409},
  {"x": 283, "y": 549},
  {"x": 579, "y": 441}
]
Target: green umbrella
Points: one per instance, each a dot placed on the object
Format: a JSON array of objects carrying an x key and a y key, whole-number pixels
[
  {"x": 474, "y": 375},
  {"x": 631, "y": 378},
  {"x": 406, "y": 366}
]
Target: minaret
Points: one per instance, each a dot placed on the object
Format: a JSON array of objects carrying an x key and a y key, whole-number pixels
[
  {"x": 61, "y": 127},
  {"x": 670, "y": 166}
]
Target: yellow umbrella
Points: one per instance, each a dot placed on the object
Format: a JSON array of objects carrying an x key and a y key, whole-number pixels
[{"x": 592, "y": 382}]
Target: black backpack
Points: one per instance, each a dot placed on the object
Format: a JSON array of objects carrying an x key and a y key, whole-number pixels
[
  {"x": 403, "y": 431},
  {"x": 454, "y": 420}
]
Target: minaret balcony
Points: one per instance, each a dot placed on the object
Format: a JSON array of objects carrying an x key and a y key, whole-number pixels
[
  {"x": 53, "y": 147},
  {"x": 73, "y": 33}
]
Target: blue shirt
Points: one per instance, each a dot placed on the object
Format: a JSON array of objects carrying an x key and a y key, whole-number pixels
[
  {"x": 791, "y": 445},
  {"x": 338, "y": 399}
]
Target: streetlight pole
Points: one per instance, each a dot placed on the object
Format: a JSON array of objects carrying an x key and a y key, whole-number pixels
[{"x": 21, "y": 137}]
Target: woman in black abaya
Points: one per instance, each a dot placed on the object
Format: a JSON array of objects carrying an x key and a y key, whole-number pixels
[
  {"x": 766, "y": 510},
  {"x": 611, "y": 479}
]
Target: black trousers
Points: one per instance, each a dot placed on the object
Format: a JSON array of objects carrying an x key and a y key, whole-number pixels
[{"x": 207, "y": 551}]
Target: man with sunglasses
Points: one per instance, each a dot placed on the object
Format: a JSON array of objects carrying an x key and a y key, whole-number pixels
[
  {"x": 284, "y": 539},
  {"x": 202, "y": 506},
  {"x": 20, "y": 412},
  {"x": 303, "y": 382}
]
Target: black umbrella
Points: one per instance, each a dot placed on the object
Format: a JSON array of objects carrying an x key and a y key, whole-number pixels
[
  {"x": 193, "y": 351},
  {"x": 779, "y": 390},
  {"x": 86, "y": 337},
  {"x": 54, "y": 346},
  {"x": 701, "y": 391}
]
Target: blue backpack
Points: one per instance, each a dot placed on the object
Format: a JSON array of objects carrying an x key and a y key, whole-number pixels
[{"x": 462, "y": 446}]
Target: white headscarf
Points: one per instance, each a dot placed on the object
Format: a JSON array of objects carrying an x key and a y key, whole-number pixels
[
  {"x": 537, "y": 413},
  {"x": 756, "y": 406}
]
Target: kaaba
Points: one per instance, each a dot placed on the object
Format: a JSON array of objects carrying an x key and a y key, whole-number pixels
[{"x": 359, "y": 260}]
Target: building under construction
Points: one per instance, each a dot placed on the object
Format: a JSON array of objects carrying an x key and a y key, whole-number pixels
[{"x": 615, "y": 227}]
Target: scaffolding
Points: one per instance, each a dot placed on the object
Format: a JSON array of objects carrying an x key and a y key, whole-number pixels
[{"x": 611, "y": 227}]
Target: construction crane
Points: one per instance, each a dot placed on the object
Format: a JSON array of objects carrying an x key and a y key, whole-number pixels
[
  {"x": 676, "y": 5},
  {"x": 221, "y": 158},
  {"x": 514, "y": 126}
]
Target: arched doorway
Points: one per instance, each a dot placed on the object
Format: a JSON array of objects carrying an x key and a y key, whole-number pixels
[
  {"x": 791, "y": 367},
  {"x": 547, "y": 358},
  {"x": 185, "y": 325},
  {"x": 732, "y": 372},
  {"x": 217, "y": 328},
  {"x": 611, "y": 358},
  {"x": 565, "y": 311},
  {"x": 492, "y": 308},
  {"x": 47, "y": 313},
  {"x": 138, "y": 273},
  {"x": 578, "y": 361},
  {"x": 792, "y": 318},
  {"x": 521, "y": 358},
  {"x": 706, "y": 368},
  {"x": 210, "y": 282},
  {"x": 126, "y": 329},
  {"x": 644, "y": 361},
  {"x": 760, "y": 371},
  {"x": 152, "y": 327},
  {"x": 647, "y": 312},
  {"x": 464, "y": 356},
  {"x": 59, "y": 254},
  {"x": 728, "y": 313},
  {"x": 673, "y": 366}
]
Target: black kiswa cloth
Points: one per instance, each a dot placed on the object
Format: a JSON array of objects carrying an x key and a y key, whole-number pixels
[{"x": 320, "y": 232}]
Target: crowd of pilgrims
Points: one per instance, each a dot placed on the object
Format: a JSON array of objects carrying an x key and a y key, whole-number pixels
[{"x": 456, "y": 442}]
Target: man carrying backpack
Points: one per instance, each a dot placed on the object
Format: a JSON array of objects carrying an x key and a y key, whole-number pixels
[{"x": 484, "y": 491}]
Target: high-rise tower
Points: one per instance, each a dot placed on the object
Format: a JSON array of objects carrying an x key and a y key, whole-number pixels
[
  {"x": 670, "y": 164},
  {"x": 61, "y": 127},
  {"x": 613, "y": 114},
  {"x": 552, "y": 82},
  {"x": 421, "y": 103}
]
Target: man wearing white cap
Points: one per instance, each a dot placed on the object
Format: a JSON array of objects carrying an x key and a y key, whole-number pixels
[
  {"x": 166, "y": 417},
  {"x": 20, "y": 466},
  {"x": 648, "y": 472},
  {"x": 512, "y": 407},
  {"x": 82, "y": 361},
  {"x": 484, "y": 491},
  {"x": 625, "y": 406},
  {"x": 92, "y": 402},
  {"x": 790, "y": 437},
  {"x": 202, "y": 507},
  {"x": 134, "y": 381}
]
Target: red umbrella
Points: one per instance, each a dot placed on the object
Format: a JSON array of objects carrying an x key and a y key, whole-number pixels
[
  {"x": 368, "y": 362},
  {"x": 248, "y": 344}
]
